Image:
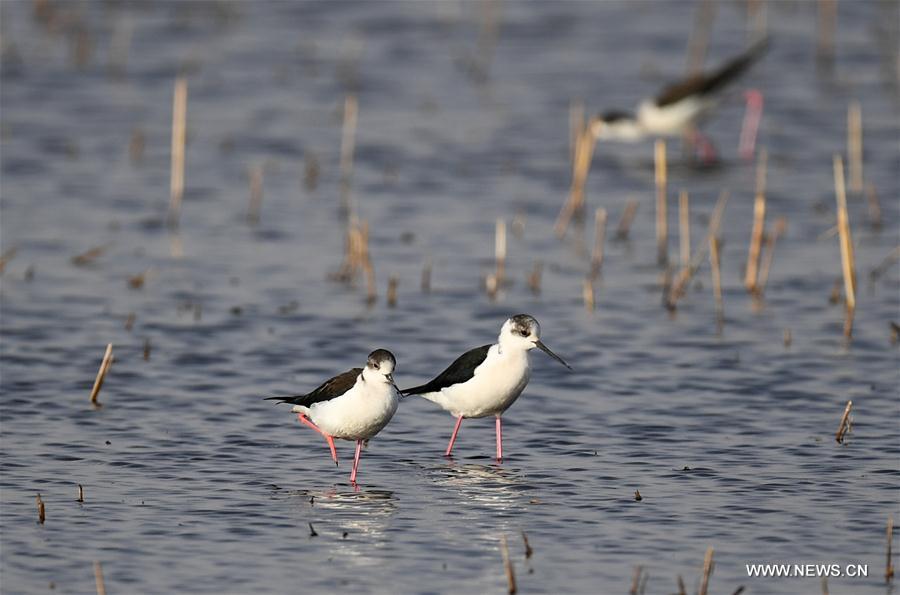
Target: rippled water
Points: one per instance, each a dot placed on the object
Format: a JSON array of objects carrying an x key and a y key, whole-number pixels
[{"x": 194, "y": 484}]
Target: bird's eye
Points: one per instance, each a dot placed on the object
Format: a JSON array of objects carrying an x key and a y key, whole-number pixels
[
  {"x": 374, "y": 365},
  {"x": 524, "y": 333}
]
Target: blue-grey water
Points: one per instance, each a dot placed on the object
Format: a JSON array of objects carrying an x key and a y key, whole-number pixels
[{"x": 193, "y": 484}]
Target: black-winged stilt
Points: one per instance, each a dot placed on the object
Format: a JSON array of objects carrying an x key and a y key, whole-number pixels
[
  {"x": 488, "y": 379},
  {"x": 355, "y": 405}
]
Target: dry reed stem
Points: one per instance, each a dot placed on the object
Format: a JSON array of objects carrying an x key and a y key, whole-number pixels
[
  {"x": 98, "y": 578},
  {"x": 636, "y": 580},
  {"x": 874, "y": 206},
  {"x": 855, "y": 146},
  {"x": 576, "y": 125},
  {"x": 256, "y": 194},
  {"x": 599, "y": 240},
  {"x": 80, "y": 494},
  {"x": 717, "y": 279},
  {"x": 587, "y": 293},
  {"x": 583, "y": 155},
  {"x": 129, "y": 322},
  {"x": 507, "y": 566},
  {"x": 624, "y": 226},
  {"x": 707, "y": 571},
  {"x": 7, "y": 255},
  {"x": 500, "y": 249},
  {"x": 348, "y": 145},
  {"x": 310, "y": 171},
  {"x": 699, "y": 40},
  {"x": 138, "y": 281},
  {"x": 788, "y": 337},
  {"x": 759, "y": 223},
  {"x": 885, "y": 264},
  {"x": 848, "y": 268},
  {"x": 684, "y": 227},
  {"x": 681, "y": 589},
  {"x": 89, "y": 256},
  {"x": 528, "y": 550},
  {"x": 42, "y": 512},
  {"x": 136, "y": 146},
  {"x": 824, "y": 586},
  {"x": 844, "y": 426},
  {"x": 179, "y": 119},
  {"x": 662, "y": 225},
  {"x": 491, "y": 286},
  {"x": 146, "y": 349},
  {"x": 101, "y": 373},
  {"x": 426, "y": 276},
  {"x": 534, "y": 278},
  {"x": 889, "y": 567},
  {"x": 679, "y": 287},
  {"x": 392, "y": 292},
  {"x": 771, "y": 238},
  {"x": 371, "y": 290},
  {"x": 827, "y": 21}
]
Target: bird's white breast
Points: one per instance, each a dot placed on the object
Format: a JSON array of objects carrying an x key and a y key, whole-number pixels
[
  {"x": 672, "y": 119},
  {"x": 358, "y": 414},
  {"x": 497, "y": 383}
]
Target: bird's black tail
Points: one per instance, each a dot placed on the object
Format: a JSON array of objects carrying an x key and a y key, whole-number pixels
[{"x": 281, "y": 399}]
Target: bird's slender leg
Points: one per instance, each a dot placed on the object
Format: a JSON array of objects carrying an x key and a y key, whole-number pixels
[
  {"x": 453, "y": 437},
  {"x": 356, "y": 461},
  {"x": 499, "y": 439},
  {"x": 703, "y": 145},
  {"x": 328, "y": 438},
  {"x": 752, "y": 116}
]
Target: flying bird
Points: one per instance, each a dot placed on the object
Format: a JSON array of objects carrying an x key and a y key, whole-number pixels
[
  {"x": 488, "y": 379},
  {"x": 355, "y": 405},
  {"x": 681, "y": 107}
]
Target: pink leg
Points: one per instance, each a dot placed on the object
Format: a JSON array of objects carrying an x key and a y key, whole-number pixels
[
  {"x": 355, "y": 461},
  {"x": 453, "y": 437},
  {"x": 499, "y": 439},
  {"x": 704, "y": 146},
  {"x": 328, "y": 438},
  {"x": 752, "y": 116}
]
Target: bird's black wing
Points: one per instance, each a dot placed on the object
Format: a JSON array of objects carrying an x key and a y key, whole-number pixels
[
  {"x": 704, "y": 84},
  {"x": 328, "y": 390},
  {"x": 459, "y": 371}
]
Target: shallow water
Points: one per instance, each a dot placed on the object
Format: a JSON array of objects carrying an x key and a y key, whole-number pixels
[{"x": 194, "y": 484}]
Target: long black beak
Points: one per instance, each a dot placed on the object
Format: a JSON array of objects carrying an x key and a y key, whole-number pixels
[{"x": 546, "y": 350}]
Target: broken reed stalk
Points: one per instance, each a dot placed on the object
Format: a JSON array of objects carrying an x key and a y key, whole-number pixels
[
  {"x": 587, "y": 293},
  {"x": 426, "y": 276},
  {"x": 844, "y": 426},
  {"x": 874, "y": 206},
  {"x": 825, "y": 33},
  {"x": 599, "y": 240},
  {"x": 507, "y": 566},
  {"x": 662, "y": 225},
  {"x": 80, "y": 494},
  {"x": 576, "y": 125},
  {"x": 681, "y": 589},
  {"x": 624, "y": 226},
  {"x": 7, "y": 255},
  {"x": 636, "y": 580},
  {"x": 584, "y": 153},
  {"x": 348, "y": 144},
  {"x": 146, "y": 349},
  {"x": 848, "y": 267},
  {"x": 771, "y": 238},
  {"x": 534, "y": 278},
  {"x": 759, "y": 223},
  {"x": 491, "y": 286},
  {"x": 707, "y": 572},
  {"x": 889, "y": 568},
  {"x": 179, "y": 118},
  {"x": 684, "y": 227},
  {"x": 101, "y": 374},
  {"x": 528, "y": 550},
  {"x": 716, "y": 278},
  {"x": 89, "y": 256},
  {"x": 42, "y": 516},
  {"x": 98, "y": 578},
  {"x": 392, "y": 292},
  {"x": 500, "y": 249},
  {"x": 855, "y": 146},
  {"x": 256, "y": 194},
  {"x": 679, "y": 287},
  {"x": 371, "y": 291}
]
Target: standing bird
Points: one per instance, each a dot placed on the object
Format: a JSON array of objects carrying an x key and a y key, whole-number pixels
[
  {"x": 488, "y": 379},
  {"x": 681, "y": 106},
  {"x": 354, "y": 405}
]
